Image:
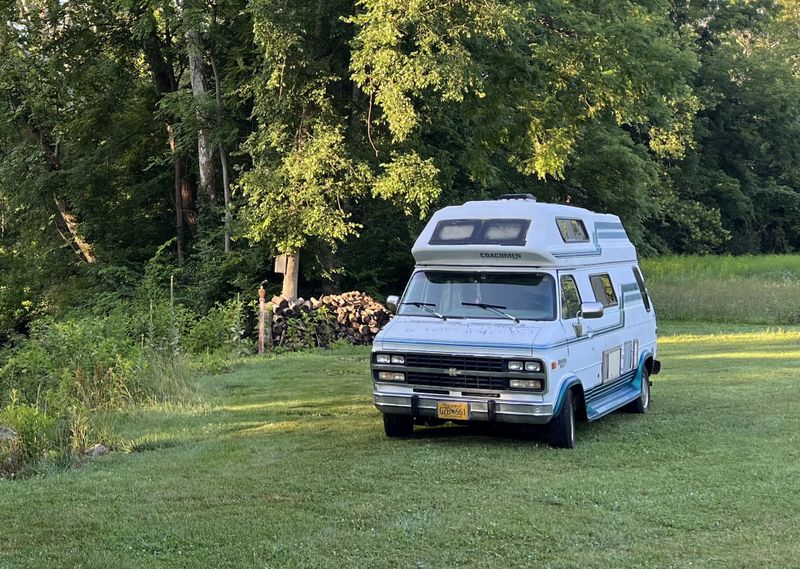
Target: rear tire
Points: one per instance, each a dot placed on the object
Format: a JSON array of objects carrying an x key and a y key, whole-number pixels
[
  {"x": 397, "y": 425},
  {"x": 642, "y": 404},
  {"x": 562, "y": 426}
]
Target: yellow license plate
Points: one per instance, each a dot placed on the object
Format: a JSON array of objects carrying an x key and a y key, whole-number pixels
[{"x": 452, "y": 411}]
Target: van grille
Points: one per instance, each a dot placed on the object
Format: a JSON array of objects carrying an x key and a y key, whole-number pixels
[{"x": 446, "y": 361}]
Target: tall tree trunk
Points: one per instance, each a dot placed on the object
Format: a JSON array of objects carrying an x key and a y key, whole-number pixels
[
  {"x": 204, "y": 152},
  {"x": 164, "y": 81},
  {"x": 67, "y": 226},
  {"x": 291, "y": 276},
  {"x": 223, "y": 158},
  {"x": 226, "y": 194},
  {"x": 178, "y": 193}
]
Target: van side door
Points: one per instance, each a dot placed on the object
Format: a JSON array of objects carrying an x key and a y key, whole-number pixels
[
  {"x": 582, "y": 357},
  {"x": 613, "y": 335}
]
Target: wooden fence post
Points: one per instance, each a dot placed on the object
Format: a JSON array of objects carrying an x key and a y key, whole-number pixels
[{"x": 262, "y": 319}]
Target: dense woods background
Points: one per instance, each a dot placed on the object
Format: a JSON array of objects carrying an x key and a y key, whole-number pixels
[{"x": 143, "y": 139}]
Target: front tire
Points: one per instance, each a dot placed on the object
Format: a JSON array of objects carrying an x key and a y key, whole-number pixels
[
  {"x": 642, "y": 404},
  {"x": 398, "y": 425},
  {"x": 562, "y": 426}
]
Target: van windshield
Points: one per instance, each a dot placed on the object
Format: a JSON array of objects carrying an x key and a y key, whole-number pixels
[{"x": 526, "y": 296}]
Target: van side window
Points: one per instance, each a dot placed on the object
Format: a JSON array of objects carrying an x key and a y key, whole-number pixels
[
  {"x": 642, "y": 288},
  {"x": 603, "y": 289},
  {"x": 572, "y": 230},
  {"x": 570, "y": 298}
]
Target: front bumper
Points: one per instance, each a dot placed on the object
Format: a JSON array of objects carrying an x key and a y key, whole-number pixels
[{"x": 480, "y": 409}]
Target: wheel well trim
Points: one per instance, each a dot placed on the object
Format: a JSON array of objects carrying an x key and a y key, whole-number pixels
[
  {"x": 645, "y": 363},
  {"x": 567, "y": 384}
]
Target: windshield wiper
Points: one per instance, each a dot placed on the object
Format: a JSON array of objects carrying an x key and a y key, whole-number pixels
[
  {"x": 427, "y": 307},
  {"x": 496, "y": 308}
]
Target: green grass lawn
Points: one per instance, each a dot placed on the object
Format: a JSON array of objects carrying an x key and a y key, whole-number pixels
[{"x": 284, "y": 464}]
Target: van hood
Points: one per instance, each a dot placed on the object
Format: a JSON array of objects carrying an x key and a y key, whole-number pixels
[{"x": 459, "y": 335}]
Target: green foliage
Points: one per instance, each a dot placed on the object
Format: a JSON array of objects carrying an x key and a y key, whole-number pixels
[
  {"x": 37, "y": 432},
  {"x": 410, "y": 182},
  {"x": 59, "y": 384},
  {"x": 533, "y": 77},
  {"x": 302, "y": 197},
  {"x": 222, "y": 329},
  {"x": 87, "y": 360},
  {"x": 315, "y": 329}
]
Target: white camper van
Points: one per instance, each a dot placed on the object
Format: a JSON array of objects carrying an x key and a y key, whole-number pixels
[{"x": 517, "y": 312}]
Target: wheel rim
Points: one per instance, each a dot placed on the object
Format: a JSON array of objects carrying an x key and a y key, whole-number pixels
[
  {"x": 572, "y": 425},
  {"x": 645, "y": 391}
]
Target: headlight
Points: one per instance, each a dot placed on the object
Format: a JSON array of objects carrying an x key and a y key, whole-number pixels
[
  {"x": 398, "y": 360},
  {"x": 533, "y": 366},
  {"x": 514, "y": 366},
  {"x": 525, "y": 384},
  {"x": 391, "y": 376},
  {"x": 382, "y": 359}
]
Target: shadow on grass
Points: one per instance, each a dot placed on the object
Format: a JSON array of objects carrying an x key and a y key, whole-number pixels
[{"x": 483, "y": 432}]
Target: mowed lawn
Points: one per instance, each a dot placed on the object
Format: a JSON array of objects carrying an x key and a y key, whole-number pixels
[{"x": 283, "y": 463}]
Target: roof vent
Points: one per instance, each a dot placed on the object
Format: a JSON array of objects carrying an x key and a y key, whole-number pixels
[{"x": 527, "y": 197}]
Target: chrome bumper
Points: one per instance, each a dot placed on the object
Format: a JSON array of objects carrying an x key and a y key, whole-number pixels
[{"x": 500, "y": 410}]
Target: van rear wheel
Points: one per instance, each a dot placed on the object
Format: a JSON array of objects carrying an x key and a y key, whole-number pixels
[
  {"x": 642, "y": 404},
  {"x": 562, "y": 426},
  {"x": 398, "y": 425}
]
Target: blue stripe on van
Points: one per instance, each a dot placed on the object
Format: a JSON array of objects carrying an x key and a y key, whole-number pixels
[{"x": 612, "y": 235}]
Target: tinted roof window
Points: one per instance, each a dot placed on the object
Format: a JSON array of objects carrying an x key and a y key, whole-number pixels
[
  {"x": 455, "y": 232},
  {"x": 505, "y": 231},
  {"x": 481, "y": 232}
]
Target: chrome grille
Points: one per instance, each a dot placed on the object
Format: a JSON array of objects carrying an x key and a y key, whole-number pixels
[{"x": 447, "y": 361}]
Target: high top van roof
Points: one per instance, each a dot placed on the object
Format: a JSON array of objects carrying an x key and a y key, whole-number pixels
[{"x": 519, "y": 231}]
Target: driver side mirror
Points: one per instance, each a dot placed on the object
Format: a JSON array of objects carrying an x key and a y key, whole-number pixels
[
  {"x": 391, "y": 303},
  {"x": 591, "y": 310}
]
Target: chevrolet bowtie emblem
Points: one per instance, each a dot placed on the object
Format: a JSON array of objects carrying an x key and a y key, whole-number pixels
[{"x": 452, "y": 372}]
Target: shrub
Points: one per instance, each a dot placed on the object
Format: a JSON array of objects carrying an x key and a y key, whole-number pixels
[
  {"x": 88, "y": 360},
  {"x": 313, "y": 329},
  {"x": 40, "y": 435},
  {"x": 221, "y": 330}
]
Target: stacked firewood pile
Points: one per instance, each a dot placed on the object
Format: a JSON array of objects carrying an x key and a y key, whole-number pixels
[{"x": 352, "y": 316}]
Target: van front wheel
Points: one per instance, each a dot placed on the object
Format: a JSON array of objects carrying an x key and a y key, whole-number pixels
[
  {"x": 562, "y": 426},
  {"x": 398, "y": 425}
]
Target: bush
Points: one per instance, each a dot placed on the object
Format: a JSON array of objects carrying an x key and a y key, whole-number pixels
[
  {"x": 313, "y": 329},
  {"x": 40, "y": 436},
  {"x": 221, "y": 330},
  {"x": 87, "y": 360}
]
